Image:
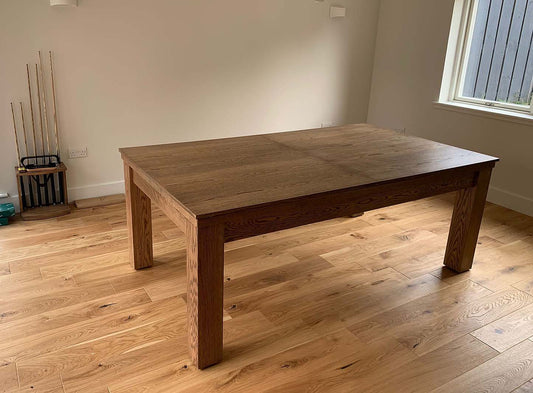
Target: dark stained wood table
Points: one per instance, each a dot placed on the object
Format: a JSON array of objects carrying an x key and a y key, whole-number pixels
[{"x": 222, "y": 190}]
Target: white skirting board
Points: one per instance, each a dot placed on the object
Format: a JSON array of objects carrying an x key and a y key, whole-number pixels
[
  {"x": 511, "y": 200},
  {"x": 84, "y": 192},
  {"x": 96, "y": 190}
]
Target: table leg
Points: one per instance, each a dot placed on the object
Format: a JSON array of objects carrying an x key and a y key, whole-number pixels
[
  {"x": 205, "y": 287},
  {"x": 466, "y": 221},
  {"x": 139, "y": 217}
]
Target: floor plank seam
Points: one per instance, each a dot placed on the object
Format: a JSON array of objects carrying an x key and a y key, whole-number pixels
[
  {"x": 402, "y": 274},
  {"x": 115, "y": 290},
  {"x": 487, "y": 344},
  {"x": 147, "y": 294},
  {"x": 521, "y": 290},
  {"x": 41, "y": 272},
  {"x": 62, "y": 382},
  {"x": 18, "y": 374},
  {"x": 482, "y": 286}
]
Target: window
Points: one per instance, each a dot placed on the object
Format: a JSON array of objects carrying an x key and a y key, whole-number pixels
[{"x": 490, "y": 55}]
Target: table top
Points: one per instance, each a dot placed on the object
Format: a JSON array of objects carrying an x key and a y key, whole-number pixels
[{"x": 225, "y": 175}]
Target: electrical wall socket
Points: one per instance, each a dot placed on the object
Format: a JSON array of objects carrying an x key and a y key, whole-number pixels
[
  {"x": 401, "y": 131},
  {"x": 337, "y": 12},
  {"x": 77, "y": 153},
  {"x": 4, "y": 195},
  {"x": 327, "y": 124}
]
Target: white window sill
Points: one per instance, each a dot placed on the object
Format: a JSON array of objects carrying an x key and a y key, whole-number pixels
[{"x": 490, "y": 112}]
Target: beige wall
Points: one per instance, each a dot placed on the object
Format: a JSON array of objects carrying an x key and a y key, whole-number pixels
[
  {"x": 133, "y": 72},
  {"x": 410, "y": 51}
]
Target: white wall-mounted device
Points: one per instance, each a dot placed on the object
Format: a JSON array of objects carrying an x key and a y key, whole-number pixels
[
  {"x": 337, "y": 12},
  {"x": 72, "y": 3}
]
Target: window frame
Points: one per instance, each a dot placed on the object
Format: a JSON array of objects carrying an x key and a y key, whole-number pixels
[{"x": 459, "y": 44}]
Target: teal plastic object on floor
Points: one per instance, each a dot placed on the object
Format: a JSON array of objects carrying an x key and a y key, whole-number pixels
[{"x": 6, "y": 210}]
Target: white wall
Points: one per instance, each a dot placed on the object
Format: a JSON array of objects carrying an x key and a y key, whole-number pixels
[
  {"x": 132, "y": 72},
  {"x": 410, "y": 52}
]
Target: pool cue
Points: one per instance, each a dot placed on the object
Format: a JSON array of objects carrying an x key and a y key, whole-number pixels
[
  {"x": 22, "y": 196},
  {"x": 45, "y": 182},
  {"x": 40, "y": 108},
  {"x": 45, "y": 113},
  {"x": 16, "y": 136},
  {"x": 24, "y": 128},
  {"x": 31, "y": 111},
  {"x": 54, "y": 103},
  {"x": 55, "y": 117},
  {"x": 27, "y": 152},
  {"x": 33, "y": 130}
]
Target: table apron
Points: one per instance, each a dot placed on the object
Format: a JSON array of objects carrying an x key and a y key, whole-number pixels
[
  {"x": 164, "y": 202},
  {"x": 311, "y": 209}
]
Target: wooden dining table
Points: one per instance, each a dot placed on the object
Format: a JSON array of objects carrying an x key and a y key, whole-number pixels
[{"x": 222, "y": 190}]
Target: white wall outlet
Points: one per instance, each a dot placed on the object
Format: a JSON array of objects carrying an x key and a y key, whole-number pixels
[
  {"x": 4, "y": 195},
  {"x": 337, "y": 12},
  {"x": 401, "y": 131},
  {"x": 77, "y": 153},
  {"x": 327, "y": 124}
]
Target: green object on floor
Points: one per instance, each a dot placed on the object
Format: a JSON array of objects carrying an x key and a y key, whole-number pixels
[{"x": 6, "y": 210}]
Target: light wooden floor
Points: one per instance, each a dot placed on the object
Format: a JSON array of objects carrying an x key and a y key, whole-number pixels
[{"x": 349, "y": 305}]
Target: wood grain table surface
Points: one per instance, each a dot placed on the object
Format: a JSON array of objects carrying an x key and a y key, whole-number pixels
[{"x": 228, "y": 189}]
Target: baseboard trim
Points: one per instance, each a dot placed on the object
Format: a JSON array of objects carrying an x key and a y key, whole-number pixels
[
  {"x": 83, "y": 192},
  {"x": 511, "y": 200},
  {"x": 96, "y": 190}
]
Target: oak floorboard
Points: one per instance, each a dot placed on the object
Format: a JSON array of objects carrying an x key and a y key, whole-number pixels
[
  {"x": 497, "y": 267},
  {"x": 92, "y": 245},
  {"x": 53, "y": 384},
  {"x": 75, "y": 313},
  {"x": 14, "y": 280},
  {"x": 88, "y": 330},
  {"x": 452, "y": 324},
  {"x": 247, "y": 339},
  {"x": 305, "y": 290},
  {"x": 526, "y": 286},
  {"x": 4, "y": 269},
  {"x": 33, "y": 289},
  {"x": 433, "y": 369},
  {"x": 363, "y": 302},
  {"x": 8, "y": 377},
  {"x": 421, "y": 312},
  {"x": 52, "y": 238},
  {"x": 281, "y": 244},
  {"x": 333, "y": 354},
  {"x": 502, "y": 373},
  {"x": 11, "y": 310},
  {"x": 373, "y": 283},
  {"x": 417, "y": 375},
  {"x": 42, "y": 250},
  {"x": 525, "y": 388},
  {"x": 274, "y": 275},
  {"x": 508, "y": 331},
  {"x": 162, "y": 345},
  {"x": 142, "y": 347}
]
